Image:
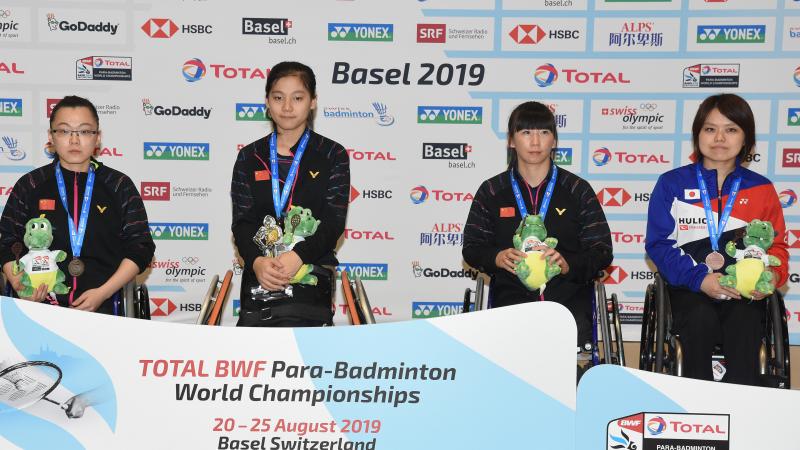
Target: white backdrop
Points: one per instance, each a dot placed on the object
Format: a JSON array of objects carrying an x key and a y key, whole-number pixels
[{"x": 623, "y": 77}]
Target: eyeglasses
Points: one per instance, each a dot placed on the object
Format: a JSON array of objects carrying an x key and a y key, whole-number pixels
[{"x": 65, "y": 134}]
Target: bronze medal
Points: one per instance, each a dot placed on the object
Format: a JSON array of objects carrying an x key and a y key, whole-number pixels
[
  {"x": 715, "y": 260},
  {"x": 76, "y": 267}
]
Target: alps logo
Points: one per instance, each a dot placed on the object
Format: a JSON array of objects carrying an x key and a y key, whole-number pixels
[
  {"x": 636, "y": 34},
  {"x": 80, "y": 26},
  {"x": 252, "y": 112},
  {"x": 370, "y": 32},
  {"x": 533, "y": 34},
  {"x": 163, "y": 28},
  {"x": 429, "y": 310},
  {"x": 179, "y": 231},
  {"x": 448, "y": 115},
  {"x": 613, "y": 196},
  {"x": 266, "y": 26},
  {"x": 10, "y": 107},
  {"x": 614, "y": 275},
  {"x": 10, "y": 68},
  {"x": 365, "y": 271},
  {"x": 161, "y": 307},
  {"x": 177, "y": 151},
  {"x": 562, "y": 156},
  {"x": 711, "y": 75},
  {"x": 432, "y": 33},
  {"x": 155, "y": 190},
  {"x": 109, "y": 68},
  {"x": 432, "y": 150},
  {"x": 159, "y": 110},
  {"x": 731, "y": 34},
  {"x": 791, "y": 157}
]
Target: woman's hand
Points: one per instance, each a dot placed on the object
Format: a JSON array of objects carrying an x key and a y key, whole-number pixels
[
  {"x": 554, "y": 257},
  {"x": 713, "y": 289},
  {"x": 507, "y": 259},
  {"x": 270, "y": 273}
]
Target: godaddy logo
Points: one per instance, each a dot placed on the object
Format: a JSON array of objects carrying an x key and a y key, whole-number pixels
[
  {"x": 427, "y": 310},
  {"x": 180, "y": 151},
  {"x": 179, "y": 231},
  {"x": 364, "y": 271},
  {"x": 470, "y": 115},
  {"x": 379, "y": 32},
  {"x": 731, "y": 34},
  {"x": 253, "y": 112}
]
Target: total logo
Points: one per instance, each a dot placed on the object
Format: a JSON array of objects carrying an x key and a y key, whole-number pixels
[
  {"x": 791, "y": 157},
  {"x": 367, "y": 235},
  {"x": 547, "y": 74},
  {"x": 195, "y": 70},
  {"x": 179, "y": 231},
  {"x": 793, "y": 238},
  {"x": 107, "y": 151},
  {"x": 10, "y": 68},
  {"x": 533, "y": 34},
  {"x": 163, "y": 28},
  {"x": 155, "y": 190},
  {"x": 614, "y": 275},
  {"x": 731, "y": 34},
  {"x": 111, "y": 68},
  {"x": 627, "y": 238},
  {"x": 656, "y": 426},
  {"x": 787, "y": 198},
  {"x": 374, "y": 194},
  {"x": 369, "y": 32},
  {"x": 5, "y": 191},
  {"x": 365, "y": 271},
  {"x": 64, "y": 25},
  {"x": 420, "y": 194},
  {"x": 252, "y": 112},
  {"x": 159, "y": 110},
  {"x": 442, "y": 272},
  {"x": 613, "y": 196},
  {"x": 177, "y": 151},
  {"x": 10, "y": 107},
  {"x": 161, "y": 307},
  {"x": 467, "y": 115},
  {"x": 603, "y": 156},
  {"x": 369, "y": 155},
  {"x": 796, "y": 75},
  {"x": 376, "y": 310},
  {"x": 711, "y": 76},
  {"x": 428, "y": 310}
]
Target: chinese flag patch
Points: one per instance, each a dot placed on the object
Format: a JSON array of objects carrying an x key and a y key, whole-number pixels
[
  {"x": 47, "y": 204},
  {"x": 262, "y": 175},
  {"x": 508, "y": 211}
]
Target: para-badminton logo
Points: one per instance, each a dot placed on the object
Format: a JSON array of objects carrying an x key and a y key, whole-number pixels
[
  {"x": 649, "y": 430},
  {"x": 449, "y": 115}
]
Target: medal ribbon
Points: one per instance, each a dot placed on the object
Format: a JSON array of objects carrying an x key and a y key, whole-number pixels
[
  {"x": 281, "y": 198},
  {"x": 548, "y": 194},
  {"x": 76, "y": 236},
  {"x": 714, "y": 230}
]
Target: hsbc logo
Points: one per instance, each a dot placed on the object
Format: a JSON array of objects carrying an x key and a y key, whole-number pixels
[
  {"x": 530, "y": 34},
  {"x": 614, "y": 275},
  {"x": 431, "y": 33},
  {"x": 613, "y": 196},
  {"x": 374, "y": 194},
  {"x": 161, "y": 307},
  {"x": 155, "y": 190},
  {"x": 793, "y": 238},
  {"x": 791, "y": 157},
  {"x": 166, "y": 28}
]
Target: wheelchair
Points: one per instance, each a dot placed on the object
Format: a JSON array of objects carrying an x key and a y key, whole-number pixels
[
  {"x": 213, "y": 303},
  {"x": 605, "y": 317},
  {"x": 131, "y": 301},
  {"x": 661, "y": 350},
  {"x": 358, "y": 307}
]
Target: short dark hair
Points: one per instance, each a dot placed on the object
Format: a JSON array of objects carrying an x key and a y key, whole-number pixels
[
  {"x": 288, "y": 68},
  {"x": 529, "y": 116},
  {"x": 734, "y": 108},
  {"x": 73, "y": 101}
]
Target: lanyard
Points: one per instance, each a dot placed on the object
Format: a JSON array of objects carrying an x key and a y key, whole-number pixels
[
  {"x": 548, "y": 194},
  {"x": 281, "y": 198},
  {"x": 714, "y": 230},
  {"x": 76, "y": 236}
]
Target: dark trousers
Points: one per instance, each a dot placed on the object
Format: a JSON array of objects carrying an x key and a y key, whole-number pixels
[{"x": 701, "y": 322}]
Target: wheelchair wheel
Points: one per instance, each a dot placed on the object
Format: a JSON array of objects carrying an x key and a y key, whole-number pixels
[
  {"x": 774, "y": 354},
  {"x": 144, "y": 303},
  {"x": 605, "y": 326},
  {"x": 614, "y": 306},
  {"x": 660, "y": 351},
  {"x": 646, "y": 341},
  {"x": 479, "y": 305}
]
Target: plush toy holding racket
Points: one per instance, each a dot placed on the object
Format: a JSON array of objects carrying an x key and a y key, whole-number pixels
[
  {"x": 39, "y": 266},
  {"x": 751, "y": 271},
  {"x": 298, "y": 225}
]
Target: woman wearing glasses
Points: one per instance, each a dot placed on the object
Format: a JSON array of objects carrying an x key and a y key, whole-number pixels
[{"x": 97, "y": 215}]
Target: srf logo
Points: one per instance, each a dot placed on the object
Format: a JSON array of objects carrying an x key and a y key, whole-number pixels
[
  {"x": 431, "y": 33},
  {"x": 156, "y": 190}
]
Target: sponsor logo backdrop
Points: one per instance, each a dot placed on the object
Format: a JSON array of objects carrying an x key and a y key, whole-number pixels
[{"x": 419, "y": 95}]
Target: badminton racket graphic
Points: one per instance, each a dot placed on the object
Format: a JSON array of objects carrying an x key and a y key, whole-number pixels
[{"x": 24, "y": 384}]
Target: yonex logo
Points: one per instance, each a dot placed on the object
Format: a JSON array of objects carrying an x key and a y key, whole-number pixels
[
  {"x": 377, "y": 32},
  {"x": 182, "y": 151},
  {"x": 731, "y": 34},
  {"x": 450, "y": 114},
  {"x": 179, "y": 231},
  {"x": 251, "y": 112}
]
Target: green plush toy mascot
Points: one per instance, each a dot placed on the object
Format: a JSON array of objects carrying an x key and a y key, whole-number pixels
[
  {"x": 39, "y": 265},
  {"x": 533, "y": 271},
  {"x": 298, "y": 225},
  {"x": 751, "y": 271}
]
